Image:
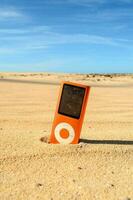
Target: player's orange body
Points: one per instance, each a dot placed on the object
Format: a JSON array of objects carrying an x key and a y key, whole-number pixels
[{"x": 69, "y": 114}]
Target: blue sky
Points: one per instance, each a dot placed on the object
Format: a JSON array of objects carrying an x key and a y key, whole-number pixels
[{"x": 83, "y": 36}]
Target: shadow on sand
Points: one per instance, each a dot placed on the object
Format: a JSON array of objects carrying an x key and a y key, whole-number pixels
[{"x": 117, "y": 142}]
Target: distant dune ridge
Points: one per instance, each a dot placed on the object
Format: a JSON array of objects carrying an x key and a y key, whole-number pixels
[
  {"x": 99, "y": 167},
  {"x": 56, "y": 78}
]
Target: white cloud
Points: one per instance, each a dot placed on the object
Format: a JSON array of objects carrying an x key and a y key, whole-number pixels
[
  {"x": 80, "y": 39},
  {"x": 41, "y": 38},
  {"x": 87, "y": 2},
  {"x": 17, "y": 31},
  {"x": 10, "y": 13},
  {"x": 44, "y": 35}
]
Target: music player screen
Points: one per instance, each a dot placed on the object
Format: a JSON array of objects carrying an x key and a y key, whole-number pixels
[{"x": 71, "y": 101}]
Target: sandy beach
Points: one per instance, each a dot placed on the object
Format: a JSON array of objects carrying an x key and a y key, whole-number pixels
[{"x": 100, "y": 167}]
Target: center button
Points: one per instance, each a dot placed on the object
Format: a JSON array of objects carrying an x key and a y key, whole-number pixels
[{"x": 64, "y": 133}]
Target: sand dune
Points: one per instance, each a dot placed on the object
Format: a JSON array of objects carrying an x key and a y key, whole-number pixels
[{"x": 99, "y": 167}]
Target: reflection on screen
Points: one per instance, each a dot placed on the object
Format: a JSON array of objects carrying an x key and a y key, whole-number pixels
[{"x": 71, "y": 101}]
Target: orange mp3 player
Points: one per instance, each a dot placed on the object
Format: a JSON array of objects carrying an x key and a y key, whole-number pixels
[{"x": 69, "y": 113}]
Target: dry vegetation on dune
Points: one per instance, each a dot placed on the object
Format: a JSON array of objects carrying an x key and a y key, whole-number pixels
[
  {"x": 94, "y": 80},
  {"x": 100, "y": 167}
]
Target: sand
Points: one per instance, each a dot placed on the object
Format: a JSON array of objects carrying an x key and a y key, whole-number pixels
[{"x": 100, "y": 167}]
